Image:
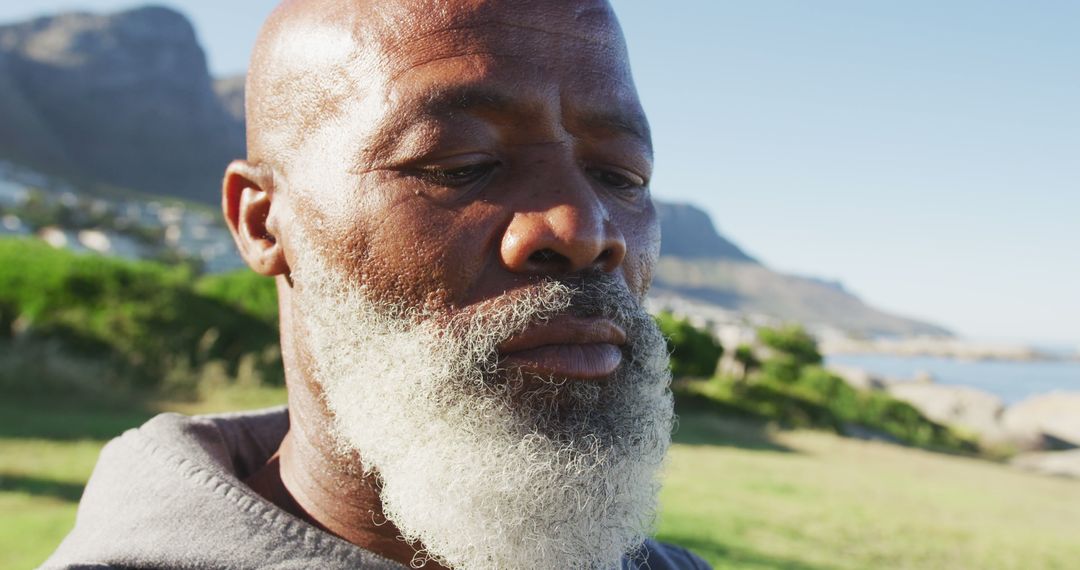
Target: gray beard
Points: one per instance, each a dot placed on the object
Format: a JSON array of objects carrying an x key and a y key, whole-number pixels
[{"x": 482, "y": 467}]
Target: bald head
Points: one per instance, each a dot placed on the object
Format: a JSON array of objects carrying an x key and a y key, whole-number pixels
[
  {"x": 314, "y": 58},
  {"x": 296, "y": 78}
]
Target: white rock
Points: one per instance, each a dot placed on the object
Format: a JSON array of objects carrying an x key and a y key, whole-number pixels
[
  {"x": 1056, "y": 414},
  {"x": 1060, "y": 463},
  {"x": 967, "y": 408}
]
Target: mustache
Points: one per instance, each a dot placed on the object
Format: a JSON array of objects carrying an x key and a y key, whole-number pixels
[{"x": 585, "y": 295}]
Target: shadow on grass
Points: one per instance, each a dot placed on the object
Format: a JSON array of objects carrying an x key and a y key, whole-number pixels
[
  {"x": 725, "y": 556},
  {"x": 64, "y": 420},
  {"x": 39, "y": 487},
  {"x": 704, "y": 422}
]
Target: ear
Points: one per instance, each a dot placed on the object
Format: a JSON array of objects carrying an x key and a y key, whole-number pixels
[{"x": 246, "y": 196}]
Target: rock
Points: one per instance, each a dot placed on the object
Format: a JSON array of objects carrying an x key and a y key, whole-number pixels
[
  {"x": 967, "y": 408},
  {"x": 1046, "y": 421},
  {"x": 1059, "y": 463},
  {"x": 123, "y": 99}
]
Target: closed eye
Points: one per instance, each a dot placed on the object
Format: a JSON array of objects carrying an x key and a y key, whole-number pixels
[
  {"x": 617, "y": 179},
  {"x": 455, "y": 176}
]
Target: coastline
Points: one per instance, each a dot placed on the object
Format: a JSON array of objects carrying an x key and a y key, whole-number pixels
[{"x": 944, "y": 347}]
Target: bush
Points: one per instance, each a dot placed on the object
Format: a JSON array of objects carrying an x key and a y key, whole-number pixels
[
  {"x": 253, "y": 293},
  {"x": 141, "y": 319},
  {"x": 791, "y": 342},
  {"x": 694, "y": 353},
  {"x": 792, "y": 389}
]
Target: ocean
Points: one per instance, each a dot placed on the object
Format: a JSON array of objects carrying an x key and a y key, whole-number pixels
[{"x": 1011, "y": 381}]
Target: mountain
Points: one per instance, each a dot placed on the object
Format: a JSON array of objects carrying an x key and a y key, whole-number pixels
[
  {"x": 126, "y": 100},
  {"x": 688, "y": 233},
  {"x": 121, "y": 99},
  {"x": 698, "y": 264}
]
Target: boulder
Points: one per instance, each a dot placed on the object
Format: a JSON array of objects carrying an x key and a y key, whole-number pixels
[
  {"x": 1045, "y": 421},
  {"x": 1059, "y": 463},
  {"x": 973, "y": 410}
]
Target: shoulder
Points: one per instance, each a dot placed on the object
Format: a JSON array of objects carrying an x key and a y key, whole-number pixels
[{"x": 656, "y": 555}]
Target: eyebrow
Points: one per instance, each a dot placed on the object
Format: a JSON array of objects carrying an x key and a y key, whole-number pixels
[
  {"x": 454, "y": 101},
  {"x": 632, "y": 124}
]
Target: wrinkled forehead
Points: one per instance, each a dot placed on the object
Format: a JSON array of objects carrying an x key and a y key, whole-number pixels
[
  {"x": 409, "y": 33},
  {"x": 391, "y": 36}
]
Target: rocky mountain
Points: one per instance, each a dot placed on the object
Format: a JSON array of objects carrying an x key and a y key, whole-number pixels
[
  {"x": 688, "y": 233},
  {"x": 126, "y": 100},
  {"x": 121, "y": 99},
  {"x": 700, "y": 265}
]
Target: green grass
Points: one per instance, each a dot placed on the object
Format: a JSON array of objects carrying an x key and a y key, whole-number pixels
[
  {"x": 739, "y": 494},
  {"x": 758, "y": 500}
]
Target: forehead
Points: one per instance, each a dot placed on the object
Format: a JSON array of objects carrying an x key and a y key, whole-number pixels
[
  {"x": 523, "y": 58},
  {"x": 411, "y": 32}
]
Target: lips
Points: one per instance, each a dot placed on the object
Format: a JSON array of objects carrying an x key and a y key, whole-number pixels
[{"x": 568, "y": 347}]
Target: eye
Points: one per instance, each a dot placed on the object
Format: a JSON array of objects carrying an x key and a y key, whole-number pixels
[
  {"x": 455, "y": 176},
  {"x": 618, "y": 179}
]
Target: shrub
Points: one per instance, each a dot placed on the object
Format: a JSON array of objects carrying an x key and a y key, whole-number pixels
[
  {"x": 142, "y": 319},
  {"x": 791, "y": 342},
  {"x": 253, "y": 293},
  {"x": 694, "y": 353}
]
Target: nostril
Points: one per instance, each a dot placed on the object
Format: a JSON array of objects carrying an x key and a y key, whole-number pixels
[
  {"x": 605, "y": 256},
  {"x": 547, "y": 256}
]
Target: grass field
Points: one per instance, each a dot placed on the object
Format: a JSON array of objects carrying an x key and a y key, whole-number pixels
[{"x": 739, "y": 494}]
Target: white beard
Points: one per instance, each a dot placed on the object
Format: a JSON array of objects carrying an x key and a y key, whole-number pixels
[{"x": 483, "y": 468}]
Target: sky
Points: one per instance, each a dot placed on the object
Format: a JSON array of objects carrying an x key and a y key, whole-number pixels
[{"x": 924, "y": 153}]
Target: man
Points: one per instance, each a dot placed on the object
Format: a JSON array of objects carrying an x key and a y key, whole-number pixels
[{"x": 453, "y": 198}]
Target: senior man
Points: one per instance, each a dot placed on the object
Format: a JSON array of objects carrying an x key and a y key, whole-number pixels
[{"x": 453, "y": 198}]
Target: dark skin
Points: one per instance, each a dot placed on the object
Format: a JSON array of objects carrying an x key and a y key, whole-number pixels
[{"x": 441, "y": 158}]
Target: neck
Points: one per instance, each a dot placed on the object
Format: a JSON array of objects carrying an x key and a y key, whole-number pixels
[{"x": 309, "y": 479}]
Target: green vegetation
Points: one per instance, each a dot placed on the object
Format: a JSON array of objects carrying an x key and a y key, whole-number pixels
[
  {"x": 792, "y": 389},
  {"x": 748, "y": 498},
  {"x": 246, "y": 290},
  {"x": 139, "y": 326},
  {"x": 694, "y": 353}
]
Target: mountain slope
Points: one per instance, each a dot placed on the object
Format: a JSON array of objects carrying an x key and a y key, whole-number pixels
[
  {"x": 688, "y": 233},
  {"x": 699, "y": 264},
  {"x": 123, "y": 99}
]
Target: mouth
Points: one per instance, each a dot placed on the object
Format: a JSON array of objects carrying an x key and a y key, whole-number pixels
[{"x": 566, "y": 347}]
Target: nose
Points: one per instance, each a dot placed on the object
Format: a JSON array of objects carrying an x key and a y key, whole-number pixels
[{"x": 569, "y": 233}]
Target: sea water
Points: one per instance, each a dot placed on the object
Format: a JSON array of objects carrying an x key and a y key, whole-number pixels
[{"x": 1011, "y": 381}]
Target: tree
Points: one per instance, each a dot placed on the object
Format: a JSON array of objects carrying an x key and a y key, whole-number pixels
[
  {"x": 745, "y": 356},
  {"x": 793, "y": 341},
  {"x": 794, "y": 350},
  {"x": 694, "y": 352}
]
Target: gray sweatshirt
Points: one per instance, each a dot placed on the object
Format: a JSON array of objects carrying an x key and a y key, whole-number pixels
[{"x": 170, "y": 495}]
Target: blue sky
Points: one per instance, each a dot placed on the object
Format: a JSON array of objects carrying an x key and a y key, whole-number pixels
[{"x": 926, "y": 153}]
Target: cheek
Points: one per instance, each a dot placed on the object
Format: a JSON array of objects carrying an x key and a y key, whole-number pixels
[
  {"x": 419, "y": 256},
  {"x": 642, "y": 235}
]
